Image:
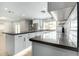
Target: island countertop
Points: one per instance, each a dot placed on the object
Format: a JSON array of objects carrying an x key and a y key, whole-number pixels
[{"x": 48, "y": 41}]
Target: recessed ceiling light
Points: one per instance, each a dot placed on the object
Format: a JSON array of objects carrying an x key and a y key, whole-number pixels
[
  {"x": 11, "y": 12},
  {"x": 5, "y": 8},
  {"x": 23, "y": 15}
]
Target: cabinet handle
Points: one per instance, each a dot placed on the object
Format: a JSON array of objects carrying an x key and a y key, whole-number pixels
[
  {"x": 19, "y": 36},
  {"x": 24, "y": 39}
]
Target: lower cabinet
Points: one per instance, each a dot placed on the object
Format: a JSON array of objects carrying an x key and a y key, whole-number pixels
[
  {"x": 39, "y": 49},
  {"x": 17, "y": 43},
  {"x": 21, "y": 42},
  {"x": 14, "y": 44}
]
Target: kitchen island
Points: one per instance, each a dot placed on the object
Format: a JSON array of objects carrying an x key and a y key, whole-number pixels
[{"x": 43, "y": 46}]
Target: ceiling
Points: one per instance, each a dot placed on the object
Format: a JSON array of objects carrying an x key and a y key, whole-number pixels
[
  {"x": 32, "y": 10},
  {"x": 60, "y": 11},
  {"x": 62, "y": 14},
  {"x": 23, "y": 10},
  {"x": 53, "y": 6}
]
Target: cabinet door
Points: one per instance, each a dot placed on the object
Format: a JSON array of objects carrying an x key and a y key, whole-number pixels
[
  {"x": 20, "y": 43},
  {"x": 28, "y": 43}
]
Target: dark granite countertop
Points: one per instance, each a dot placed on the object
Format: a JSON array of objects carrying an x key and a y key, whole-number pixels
[
  {"x": 25, "y": 32},
  {"x": 40, "y": 39}
]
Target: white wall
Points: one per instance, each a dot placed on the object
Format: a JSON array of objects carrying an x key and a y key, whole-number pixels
[{"x": 7, "y": 27}]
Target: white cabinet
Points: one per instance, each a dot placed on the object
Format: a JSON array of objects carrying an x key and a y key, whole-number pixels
[
  {"x": 22, "y": 40},
  {"x": 17, "y": 43},
  {"x": 39, "y": 49},
  {"x": 26, "y": 37},
  {"x": 20, "y": 43},
  {"x": 28, "y": 43},
  {"x": 12, "y": 44}
]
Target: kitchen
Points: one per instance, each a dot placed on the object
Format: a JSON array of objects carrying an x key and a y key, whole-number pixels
[{"x": 21, "y": 22}]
